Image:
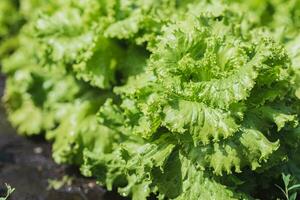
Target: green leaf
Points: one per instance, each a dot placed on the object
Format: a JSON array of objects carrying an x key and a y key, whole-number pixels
[
  {"x": 130, "y": 162},
  {"x": 202, "y": 122},
  {"x": 293, "y": 196},
  {"x": 294, "y": 187},
  {"x": 10, "y": 190},
  {"x": 258, "y": 147}
]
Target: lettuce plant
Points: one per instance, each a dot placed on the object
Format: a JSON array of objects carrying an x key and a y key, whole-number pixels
[{"x": 176, "y": 99}]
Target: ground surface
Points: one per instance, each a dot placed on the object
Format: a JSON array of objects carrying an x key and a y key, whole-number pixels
[{"x": 26, "y": 164}]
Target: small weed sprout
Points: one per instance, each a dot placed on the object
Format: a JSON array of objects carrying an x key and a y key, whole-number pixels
[
  {"x": 10, "y": 190},
  {"x": 288, "y": 190}
]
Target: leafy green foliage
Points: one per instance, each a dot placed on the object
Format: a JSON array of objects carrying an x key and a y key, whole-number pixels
[{"x": 177, "y": 99}]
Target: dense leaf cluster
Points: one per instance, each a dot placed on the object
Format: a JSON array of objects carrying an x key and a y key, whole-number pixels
[{"x": 179, "y": 99}]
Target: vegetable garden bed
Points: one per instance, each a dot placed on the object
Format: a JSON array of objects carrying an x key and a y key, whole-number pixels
[
  {"x": 26, "y": 164},
  {"x": 163, "y": 99}
]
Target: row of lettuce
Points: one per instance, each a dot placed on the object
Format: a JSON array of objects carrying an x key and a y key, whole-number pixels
[{"x": 178, "y": 99}]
